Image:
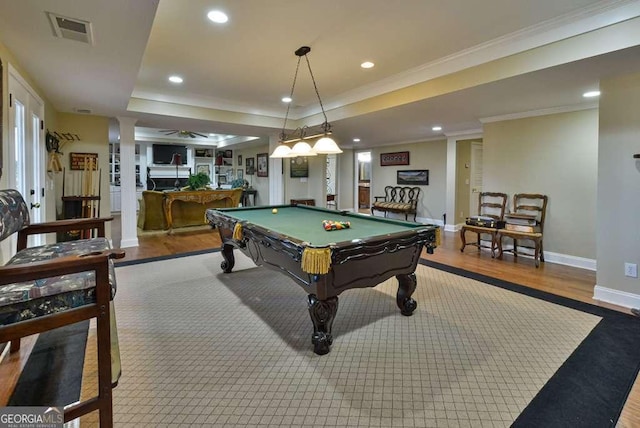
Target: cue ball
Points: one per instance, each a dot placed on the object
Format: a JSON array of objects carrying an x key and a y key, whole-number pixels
[{"x": 274, "y": 211}]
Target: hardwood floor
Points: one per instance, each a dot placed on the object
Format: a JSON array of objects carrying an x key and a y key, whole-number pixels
[{"x": 557, "y": 279}]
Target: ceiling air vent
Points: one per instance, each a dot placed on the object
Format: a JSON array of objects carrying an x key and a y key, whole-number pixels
[
  {"x": 83, "y": 110},
  {"x": 71, "y": 28}
]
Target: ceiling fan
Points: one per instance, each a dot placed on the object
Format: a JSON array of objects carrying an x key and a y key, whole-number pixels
[{"x": 183, "y": 134}]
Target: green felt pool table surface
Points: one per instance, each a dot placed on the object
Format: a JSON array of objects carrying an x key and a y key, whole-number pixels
[{"x": 305, "y": 223}]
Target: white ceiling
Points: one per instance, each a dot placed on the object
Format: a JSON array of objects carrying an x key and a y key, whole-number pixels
[{"x": 235, "y": 74}]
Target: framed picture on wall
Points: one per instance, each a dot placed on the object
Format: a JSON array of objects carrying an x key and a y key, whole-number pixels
[
  {"x": 240, "y": 174},
  {"x": 299, "y": 167},
  {"x": 250, "y": 166},
  {"x": 263, "y": 164},
  {"x": 396, "y": 158},
  {"x": 417, "y": 177},
  {"x": 203, "y": 167},
  {"x": 239, "y": 160}
]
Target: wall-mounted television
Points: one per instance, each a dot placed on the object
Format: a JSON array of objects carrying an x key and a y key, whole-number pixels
[{"x": 163, "y": 153}]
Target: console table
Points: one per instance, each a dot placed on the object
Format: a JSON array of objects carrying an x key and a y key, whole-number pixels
[{"x": 227, "y": 198}]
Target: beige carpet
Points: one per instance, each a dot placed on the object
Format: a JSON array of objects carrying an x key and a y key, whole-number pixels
[{"x": 206, "y": 348}]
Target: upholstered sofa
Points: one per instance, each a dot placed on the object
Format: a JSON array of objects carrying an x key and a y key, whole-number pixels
[{"x": 187, "y": 207}]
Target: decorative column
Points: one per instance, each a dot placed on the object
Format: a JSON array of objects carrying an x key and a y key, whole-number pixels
[
  {"x": 276, "y": 177},
  {"x": 129, "y": 205},
  {"x": 451, "y": 185}
]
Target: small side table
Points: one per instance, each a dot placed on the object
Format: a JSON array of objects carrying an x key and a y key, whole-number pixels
[{"x": 246, "y": 201}]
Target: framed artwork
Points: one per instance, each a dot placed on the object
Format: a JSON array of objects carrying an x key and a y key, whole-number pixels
[
  {"x": 396, "y": 158},
  {"x": 83, "y": 161},
  {"x": 417, "y": 177},
  {"x": 222, "y": 179},
  {"x": 203, "y": 167},
  {"x": 228, "y": 154},
  {"x": 299, "y": 167},
  {"x": 239, "y": 174},
  {"x": 263, "y": 164},
  {"x": 239, "y": 160},
  {"x": 203, "y": 153},
  {"x": 250, "y": 166}
]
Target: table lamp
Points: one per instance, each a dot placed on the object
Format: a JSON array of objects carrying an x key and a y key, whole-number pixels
[{"x": 177, "y": 161}]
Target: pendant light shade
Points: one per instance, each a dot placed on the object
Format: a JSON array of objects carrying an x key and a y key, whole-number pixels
[
  {"x": 325, "y": 145},
  {"x": 302, "y": 148}
]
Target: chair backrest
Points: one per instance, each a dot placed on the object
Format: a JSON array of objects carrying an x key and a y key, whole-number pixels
[
  {"x": 533, "y": 204},
  {"x": 402, "y": 195},
  {"x": 492, "y": 204},
  {"x": 14, "y": 213}
]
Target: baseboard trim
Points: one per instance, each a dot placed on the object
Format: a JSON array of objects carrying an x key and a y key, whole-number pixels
[
  {"x": 617, "y": 297},
  {"x": 126, "y": 243},
  {"x": 569, "y": 260}
]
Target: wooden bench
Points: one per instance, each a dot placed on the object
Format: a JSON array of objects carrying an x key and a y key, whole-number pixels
[
  {"x": 53, "y": 285},
  {"x": 397, "y": 199}
]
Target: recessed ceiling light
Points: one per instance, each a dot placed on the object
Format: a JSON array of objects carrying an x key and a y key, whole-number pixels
[
  {"x": 437, "y": 128},
  {"x": 217, "y": 16},
  {"x": 591, "y": 94},
  {"x": 286, "y": 99},
  {"x": 175, "y": 79},
  {"x": 356, "y": 140},
  {"x": 367, "y": 64}
]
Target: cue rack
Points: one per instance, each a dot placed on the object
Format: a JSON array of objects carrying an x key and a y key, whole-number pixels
[{"x": 83, "y": 188}]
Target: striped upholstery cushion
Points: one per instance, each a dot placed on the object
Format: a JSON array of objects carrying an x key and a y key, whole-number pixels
[{"x": 392, "y": 206}]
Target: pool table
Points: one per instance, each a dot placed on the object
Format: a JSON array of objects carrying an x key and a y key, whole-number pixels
[{"x": 326, "y": 263}]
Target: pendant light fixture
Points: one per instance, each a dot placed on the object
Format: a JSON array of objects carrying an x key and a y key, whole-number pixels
[{"x": 324, "y": 145}]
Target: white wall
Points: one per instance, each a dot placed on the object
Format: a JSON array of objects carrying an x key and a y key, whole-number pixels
[
  {"x": 431, "y": 155},
  {"x": 618, "y": 227},
  {"x": 555, "y": 155}
]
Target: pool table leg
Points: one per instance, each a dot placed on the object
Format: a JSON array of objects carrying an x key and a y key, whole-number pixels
[
  {"x": 229, "y": 259},
  {"x": 322, "y": 314},
  {"x": 406, "y": 287}
]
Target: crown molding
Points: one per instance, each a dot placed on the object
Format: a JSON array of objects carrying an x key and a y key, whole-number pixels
[
  {"x": 598, "y": 15},
  {"x": 541, "y": 112},
  {"x": 467, "y": 134}
]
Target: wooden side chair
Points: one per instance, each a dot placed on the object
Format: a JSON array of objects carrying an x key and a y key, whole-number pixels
[
  {"x": 534, "y": 205},
  {"x": 491, "y": 208}
]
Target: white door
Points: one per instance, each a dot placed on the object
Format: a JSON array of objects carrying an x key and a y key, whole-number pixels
[
  {"x": 476, "y": 177},
  {"x": 26, "y": 167}
]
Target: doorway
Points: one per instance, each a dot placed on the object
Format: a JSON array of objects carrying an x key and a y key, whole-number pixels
[
  {"x": 363, "y": 180},
  {"x": 26, "y": 149}
]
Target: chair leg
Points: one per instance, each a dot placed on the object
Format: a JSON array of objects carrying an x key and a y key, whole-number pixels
[
  {"x": 536, "y": 253},
  {"x": 493, "y": 245},
  {"x": 15, "y": 345},
  {"x": 541, "y": 251},
  {"x": 515, "y": 247},
  {"x": 499, "y": 243}
]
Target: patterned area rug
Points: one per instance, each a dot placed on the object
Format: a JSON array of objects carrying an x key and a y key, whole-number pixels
[{"x": 202, "y": 347}]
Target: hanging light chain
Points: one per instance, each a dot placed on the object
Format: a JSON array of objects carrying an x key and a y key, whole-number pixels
[
  {"x": 283, "y": 135},
  {"x": 326, "y": 122}
]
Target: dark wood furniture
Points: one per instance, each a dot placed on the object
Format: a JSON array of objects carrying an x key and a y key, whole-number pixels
[
  {"x": 491, "y": 205},
  {"x": 310, "y": 202},
  {"x": 249, "y": 197},
  {"x": 364, "y": 196},
  {"x": 34, "y": 313},
  {"x": 398, "y": 199},
  {"x": 325, "y": 264},
  {"x": 331, "y": 201},
  {"x": 532, "y": 204},
  {"x": 219, "y": 198}
]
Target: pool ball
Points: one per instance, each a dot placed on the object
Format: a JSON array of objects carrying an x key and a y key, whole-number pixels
[{"x": 274, "y": 211}]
